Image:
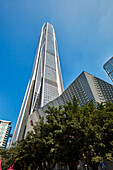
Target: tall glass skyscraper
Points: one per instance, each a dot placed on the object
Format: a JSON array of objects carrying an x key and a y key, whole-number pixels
[
  {"x": 45, "y": 83},
  {"x": 108, "y": 67}
]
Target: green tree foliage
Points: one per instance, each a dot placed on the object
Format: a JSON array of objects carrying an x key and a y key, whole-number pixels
[{"x": 68, "y": 134}]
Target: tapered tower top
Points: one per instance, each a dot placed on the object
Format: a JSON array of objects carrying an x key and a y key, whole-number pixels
[{"x": 47, "y": 73}]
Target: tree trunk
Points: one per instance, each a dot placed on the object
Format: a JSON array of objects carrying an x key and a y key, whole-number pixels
[
  {"x": 94, "y": 166},
  {"x": 75, "y": 166},
  {"x": 24, "y": 166},
  {"x": 49, "y": 166},
  {"x": 71, "y": 166}
]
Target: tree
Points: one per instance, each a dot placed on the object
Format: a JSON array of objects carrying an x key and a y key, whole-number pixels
[
  {"x": 98, "y": 133},
  {"x": 66, "y": 134}
]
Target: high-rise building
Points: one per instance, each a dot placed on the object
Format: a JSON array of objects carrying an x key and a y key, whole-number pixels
[
  {"x": 85, "y": 88},
  {"x": 5, "y": 128},
  {"x": 45, "y": 83},
  {"x": 45, "y": 87},
  {"x": 108, "y": 67}
]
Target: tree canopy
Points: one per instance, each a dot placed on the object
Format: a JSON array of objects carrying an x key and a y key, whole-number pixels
[{"x": 70, "y": 133}]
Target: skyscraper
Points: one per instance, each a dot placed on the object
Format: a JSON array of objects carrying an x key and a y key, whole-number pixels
[
  {"x": 45, "y": 83},
  {"x": 5, "y": 128},
  {"x": 108, "y": 67}
]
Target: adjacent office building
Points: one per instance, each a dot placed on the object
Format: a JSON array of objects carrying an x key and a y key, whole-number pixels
[
  {"x": 85, "y": 88},
  {"x": 45, "y": 83},
  {"x": 5, "y": 128},
  {"x": 108, "y": 67}
]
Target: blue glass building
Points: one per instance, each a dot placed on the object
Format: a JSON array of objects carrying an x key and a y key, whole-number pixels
[
  {"x": 5, "y": 129},
  {"x": 108, "y": 67}
]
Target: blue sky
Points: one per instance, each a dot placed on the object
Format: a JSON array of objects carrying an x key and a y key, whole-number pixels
[{"x": 84, "y": 32}]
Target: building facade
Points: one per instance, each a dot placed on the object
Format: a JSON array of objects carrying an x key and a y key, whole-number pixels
[
  {"x": 108, "y": 67},
  {"x": 45, "y": 83},
  {"x": 5, "y": 128},
  {"x": 85, "y": 87}
]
